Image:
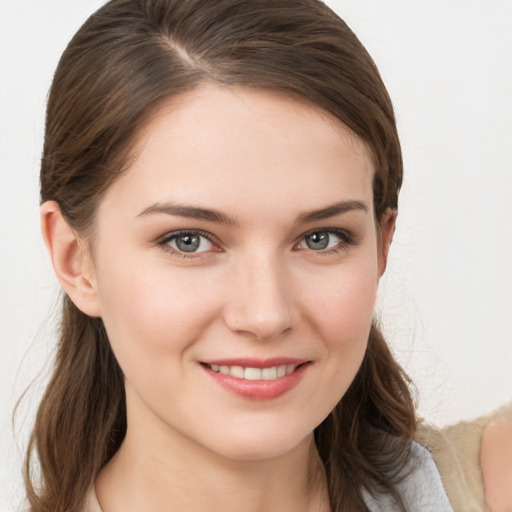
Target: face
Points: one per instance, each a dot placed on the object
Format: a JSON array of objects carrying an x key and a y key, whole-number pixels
[{"x": 235, "y": 267}]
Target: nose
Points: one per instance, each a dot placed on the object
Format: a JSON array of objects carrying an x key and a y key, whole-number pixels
[{"x": 261, "y": 302}]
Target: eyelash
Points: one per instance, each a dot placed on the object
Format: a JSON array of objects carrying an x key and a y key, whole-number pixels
[
  {"x": 346, "y": 240},
  {"x": 164, "y": 241}
]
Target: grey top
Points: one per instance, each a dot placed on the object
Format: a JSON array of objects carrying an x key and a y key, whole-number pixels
[{"x": 421, "y": 491}]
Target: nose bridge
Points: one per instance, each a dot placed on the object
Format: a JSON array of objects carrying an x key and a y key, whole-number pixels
[{"x": 262, "y": 300}]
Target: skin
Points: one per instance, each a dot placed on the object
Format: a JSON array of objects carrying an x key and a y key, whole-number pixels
[
  {"x": 256, "y": 289},
  {"x": 496, "y": 463}
]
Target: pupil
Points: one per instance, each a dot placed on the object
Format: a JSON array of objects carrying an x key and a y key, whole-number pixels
[
  {"x": 188, "y": 243},
  {"x": 318, "y": 241}
]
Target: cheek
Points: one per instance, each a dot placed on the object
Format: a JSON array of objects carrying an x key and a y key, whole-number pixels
[
  {"x": 148, "y": 310},
  {"x": 350, "y": 313},
  {"x": 341, "y": 316},
  {"x": 342, "y": 308}
]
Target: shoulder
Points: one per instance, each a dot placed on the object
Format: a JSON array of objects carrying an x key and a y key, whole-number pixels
[
  {"x": 455, "y": 450},
  {"x": 421, "y": 490}
]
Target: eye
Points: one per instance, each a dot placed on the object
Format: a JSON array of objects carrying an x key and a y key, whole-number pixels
[
  {"x": 187, "y": 242},
  {"x": 325, "y": 239}
]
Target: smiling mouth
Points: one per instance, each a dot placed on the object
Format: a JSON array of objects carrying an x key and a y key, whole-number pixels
[
  {"x": 256, "y": 379},
  {"x": 250, "y": 373}
]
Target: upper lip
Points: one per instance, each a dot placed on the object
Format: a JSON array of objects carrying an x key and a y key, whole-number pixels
[{"x": 248, "y": 362}]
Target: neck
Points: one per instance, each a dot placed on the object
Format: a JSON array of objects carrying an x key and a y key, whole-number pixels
[{"x": 169, "y": 473}]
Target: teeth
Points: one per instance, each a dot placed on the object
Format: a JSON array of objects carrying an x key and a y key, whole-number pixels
[
  {"x": 252, "y": 374},
  {"x": 237, "y": 371},
  {"x": 272, "y": 373},
  {"x": 269, "y": 373}
]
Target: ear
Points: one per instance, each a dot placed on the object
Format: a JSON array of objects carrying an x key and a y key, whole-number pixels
[
  {"x": 387, "y": 230},
  {"x": 70, "y": 259}
]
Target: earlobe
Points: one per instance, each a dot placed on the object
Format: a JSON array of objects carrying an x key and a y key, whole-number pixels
[
  {"x": 387, "y": 230},
  {"x": 70, "y": 259}
]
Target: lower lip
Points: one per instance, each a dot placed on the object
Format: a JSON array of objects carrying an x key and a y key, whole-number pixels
[{"x": 259, "y": 389}]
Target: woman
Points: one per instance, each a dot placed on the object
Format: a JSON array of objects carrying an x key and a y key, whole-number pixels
[{"x": 219, "y": 189}]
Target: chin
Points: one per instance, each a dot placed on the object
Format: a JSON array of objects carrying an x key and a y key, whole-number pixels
[{"x": 261, "y": 445}]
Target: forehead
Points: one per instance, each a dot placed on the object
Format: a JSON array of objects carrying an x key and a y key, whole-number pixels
[{"x": 235, "y": 145}]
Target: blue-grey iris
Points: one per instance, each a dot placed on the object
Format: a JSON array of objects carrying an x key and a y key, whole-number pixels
[
  {"x": 188, "y": 242},
  {"x": 318, "y": 240}
]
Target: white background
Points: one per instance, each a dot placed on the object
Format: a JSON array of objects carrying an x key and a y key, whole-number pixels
[{"x": 447, "y": 298}]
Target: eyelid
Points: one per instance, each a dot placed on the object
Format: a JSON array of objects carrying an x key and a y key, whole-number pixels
[
  {"x": 346, "y": 239},
  {"x": 163, "y": 242}
]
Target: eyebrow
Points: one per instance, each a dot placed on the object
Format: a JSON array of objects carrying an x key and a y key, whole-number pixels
[
  {"x": 211, "y": 215},
  {"x": 191, "y": 212},
  {"x": 331, "y": 211}
]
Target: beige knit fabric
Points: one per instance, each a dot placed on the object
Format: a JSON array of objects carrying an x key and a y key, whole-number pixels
[{"x": 456, "y": 452}]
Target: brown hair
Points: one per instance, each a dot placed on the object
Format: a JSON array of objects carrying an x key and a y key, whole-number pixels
[{"x": 127, "y": 58}]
